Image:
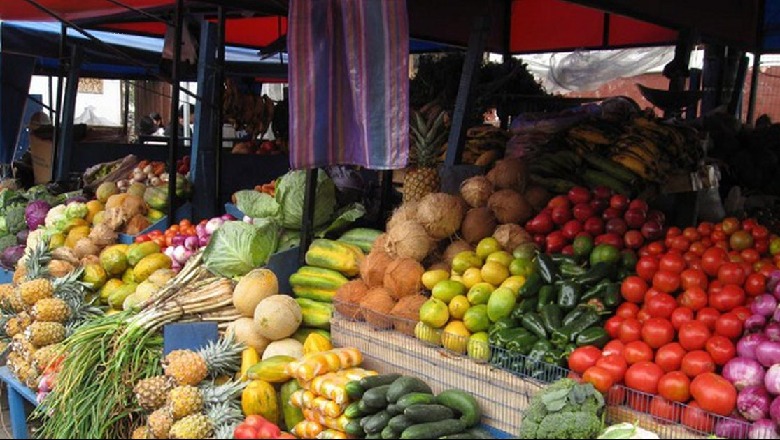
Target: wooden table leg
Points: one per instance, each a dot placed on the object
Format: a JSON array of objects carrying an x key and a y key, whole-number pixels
[{"x": 16, "y": 406}]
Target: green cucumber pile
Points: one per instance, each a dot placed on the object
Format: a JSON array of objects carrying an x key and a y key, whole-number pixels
[{"x": 392, "y": 406}]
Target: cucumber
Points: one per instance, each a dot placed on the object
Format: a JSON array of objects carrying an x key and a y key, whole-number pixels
[
  {"x": 405, "y": 385},
  {"x": 434, "y": 429},
  {"x": 459, "y": 435},
  {"x": 399, "y": 423},
  {"x": 389, "y": 433},
  {"x": 372, "y": 436},
  {"x": 462, "y": 402},
  {"x": 365, "y": 409},
  {"x": 473, "y": 433},
  {"x": 353, "y": 428},
  {"x": 376, "y": 423},
  {"x": 394, "y": 409},
  {"x": 376, "y": 397},
  {"x": 353, "y": 411},
  {"x": 415, "y": 399},
  {"x": 428, "y": 413},
  {"x": 377, "y": 380},
  {"x": 354, "y": 390}
]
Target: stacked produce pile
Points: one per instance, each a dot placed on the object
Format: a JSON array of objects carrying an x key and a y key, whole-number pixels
[
  {"x": 684, "y": 311},
  {"x": 181, "y": 241},
  {"x": 16, "y": 221},
  {"x": 563, "y": 409}
]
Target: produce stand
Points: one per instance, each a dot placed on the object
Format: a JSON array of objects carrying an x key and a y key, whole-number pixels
[
  {"x": 184, "y": 211},
  {"x": 19, "y": 398}
]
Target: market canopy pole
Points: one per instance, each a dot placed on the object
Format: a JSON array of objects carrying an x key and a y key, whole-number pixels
[
  {"x": 173, "y": 149},
  {"x": 219, "y": 93},
  {"x": 65, "y": 141}
]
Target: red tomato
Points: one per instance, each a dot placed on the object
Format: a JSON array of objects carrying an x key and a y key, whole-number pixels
[
  {"x": 637, "y": 351},
  {"x": 630, "y": 330},
  {"x": 643, "y": 315},
  {"x": 651, "y": 292},
  {"x": 693, "y": 335},
  {"x": 601, "y": 378},
  {"x": 728, "y": 298},
  {"x": 697, "y": 362},
  {"x": 760, "y": 232},
  {"x": 613, "y": 347},
  {"x": 694, "y": 298},
  {"x": 675, "y": 386},
  {"x": 583, "y": 358},
  {"x": 742, "y": 313},
  {"x": 720, "y": 349},
  {"x": 666, "y": 281},
  {"x": 616, "y": 395},
  {"x": 269, "y": 430},
  {"x": 714, "y": 393},
  {"x": 661, "y": 305},
  {"x": 731, "y": 225},
  {"x": 691, "y": 234},
  {"x": 646, "y": 267},
  {"x": 698, "y": 248},
  {"x": 644, "y": 376},
  {"x": 750, "y": 255},
  {"x": 640, "y": 402},
  {"x": 656, "y": 248},
  {"x": 681, "y": 315},
  {"x": 696, "y": 419},
  {"x": 657, "y": 332},
  {"x": 704, "y": 228},
  {"x": 712, "y": 259},
  {"x": 728, "y": 325},
  {"x": 673, "y": 231},
  {"x": 680, "y": 243},
  {"x": 669, "y": 357},
  {"x": 633, "y": 289},
  {"x": 612, "y": 326},
  {"x": 244, "y": 431},
  {"x": 731, "y": 273},
  {"x": 755, "y": 284},
  {"x": 664, "y": 411},
  {"x": 672, "y": 263},
  {"x": 255, "y": 421},
  {"x": 627, "y": 310},
  {"x": 693, "y": 278},
  {"x": 615, "y": 364},
  {"x": 708, "y": 316}
]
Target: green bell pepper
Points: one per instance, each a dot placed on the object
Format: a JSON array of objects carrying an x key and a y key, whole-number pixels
[
  {"x": 526, "y": 305},
  {"x": 569, "y": 333},
  {"x": 551, "y": 317},
  {"x": 533, "y": 323},
  {"x": 546, "y": 296},
  {"x": 531, "y": 286},
  {"x": 568, "y": 294},
  {"x": 596, "y": 291},
  {"x": 547, "y": 268},
  {"x": 593, "y": 336},
  {"x": 571, "y": 270},
  {"x": 612, "y": 295},
  {"x": 501, "y": 324},
  {"x": 573, "y": 315},
  {"x": 597, "y": 272}
]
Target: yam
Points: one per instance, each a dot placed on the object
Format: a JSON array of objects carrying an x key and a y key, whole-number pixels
[
  {"x": 376, "y": 307},
  {"x": 509, "y": 206},
  {"x": 403, "y": 277},
  {"x": 373, "y": 267},
  {"x": 478, "y": 224},
  {"x": 406, "y": 313},
  {"x": 348, "y": 297}
]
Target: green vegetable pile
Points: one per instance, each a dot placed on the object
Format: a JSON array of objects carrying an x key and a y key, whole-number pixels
[
  {"x": 12, "y": 206},
  {"x": 566, "y": 410}
]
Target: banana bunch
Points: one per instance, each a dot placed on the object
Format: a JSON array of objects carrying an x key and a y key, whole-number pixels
[
  {"x": 560, "y": 171},
  {"x": 247, "y": 111},
  {"x": 484, "y": 142}
]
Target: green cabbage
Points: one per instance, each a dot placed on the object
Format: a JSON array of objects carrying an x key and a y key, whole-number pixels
[
  {"x": 256, "y": 205},
  {"x": 290, "y": 191},
  {"x": 238, "y": 247}
]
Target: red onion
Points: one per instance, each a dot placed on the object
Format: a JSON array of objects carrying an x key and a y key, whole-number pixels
[
  {"x": 773, "y": 280},
  {"x": 177, "y": 240},
  {"x": 776, "y": 292},
  {"x": 774, "y": 410},
  {"x": 776, "y": 315},
  {"x": 772, "y": 331},
  {"x": 755, "y": 323},
  {"x": 191, "y": 243},
  {"x": 731, "y": 428},
  {"x": 744, "y": 372},
  {"x": 764, "y": 305},
  {"x": 772, "y": 380},
  {"x": 753, "y": 403},
  {"x": 746, "y": 347},
  {"x": 203, "y": 241},
  {"x": 768, "y": 353},
  {"x": 763, "y": 429}
]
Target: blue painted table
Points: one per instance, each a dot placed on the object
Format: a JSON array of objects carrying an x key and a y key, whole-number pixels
[{"x": 17, "y": 394}]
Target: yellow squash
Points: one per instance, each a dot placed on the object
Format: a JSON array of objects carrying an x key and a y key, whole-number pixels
[
  {"x": 316, "y": 343},
  {"x": 249, "y": 357}
]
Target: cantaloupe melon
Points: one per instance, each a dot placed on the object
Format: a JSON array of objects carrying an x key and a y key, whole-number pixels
[
  {"x": 278, "y": 316},
  {"x": 245, "y": 330},
  {"x": 254, "y": 287},
  {"x": 286, "y": 347}
]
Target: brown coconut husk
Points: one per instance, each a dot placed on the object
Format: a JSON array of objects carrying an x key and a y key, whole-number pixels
[
  {"x": 403, "y": 277},
  {"x": 408, "y": 239},
  {"x": 478, "y": 224},
  {"x": 440, "y": 214},
  {"x": 406, "y": 313},
  {"x": 509, "y": 206},
  {"x": 511, "y": 236},
  {"x": 348, "y": 297},
  {"x": 372, "y": 268},
  {"x": 476, "y": 191},
  {"x": 376, "y": 307},
  {"x": 537, "y": 196},
  {"x": 439, "y": 265},
  {"x": 509, "y": 173},
  {"x": 380, "y": 242},
  {"x": 454, "y": 249},
  {"x": 405, "y": 212}
]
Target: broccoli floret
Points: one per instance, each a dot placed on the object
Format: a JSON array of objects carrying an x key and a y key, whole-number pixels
[
  {"x": 570, "y": 425},
  {"x": 14, "y": 218},
  {"x": 7, "y": 241}
]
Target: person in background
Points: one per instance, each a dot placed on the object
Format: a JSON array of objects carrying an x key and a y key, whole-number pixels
[
  {"x": 490, "y": 117},
  {"x": 181, "y": 121},
  {"x": 159, "y": 128},
  {"x": 146, "y": 126}
]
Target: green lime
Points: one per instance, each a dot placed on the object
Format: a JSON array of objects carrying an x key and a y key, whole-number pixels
[
  {"x": 583, "y": 246},
  {"x": 521, "y": 266},
  {"x": 480, "y": 293},
  {"x": 525, "y": 250},
  {"x": 476, "y": 318},
  {"x": 604, "y": 253},
  {"x": 487, "y": 246}
]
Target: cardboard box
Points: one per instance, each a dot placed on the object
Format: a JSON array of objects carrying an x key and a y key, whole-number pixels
[{"x": 42, "y": 153}]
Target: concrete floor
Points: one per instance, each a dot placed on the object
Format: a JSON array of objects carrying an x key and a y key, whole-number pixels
[{"x": 5, "y": 416}]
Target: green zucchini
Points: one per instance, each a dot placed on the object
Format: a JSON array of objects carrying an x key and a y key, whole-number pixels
[
  {"x": 376, "y": 423},
  {"x": 405, "y": 385},
  {"x": 376, "y": 397},
  {"x": 399, "y": 423},
  {"x": 415, "y": 399},
  {"x": 377, "y": 380},
  {"x": 462, "y": 402},
  {"x": 389, "y": 433},
  {"x": 428, "y": 413},
  {"x": 394, "y": 409},
  {"x": 434, "y": 429}
]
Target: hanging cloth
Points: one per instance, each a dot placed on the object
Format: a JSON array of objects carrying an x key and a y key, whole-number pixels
[{"x": 349, "y": 83}]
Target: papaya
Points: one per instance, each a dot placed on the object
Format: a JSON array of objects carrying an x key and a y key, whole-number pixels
[
  {"x": 137, "y": 251},
  {"x": 149, "y": 264},
  {"x": 330, "y": 254},
  {"x": 259, "y": 397}
]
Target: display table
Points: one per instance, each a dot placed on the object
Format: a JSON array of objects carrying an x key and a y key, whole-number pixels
[{"x": 17, "y": 394}]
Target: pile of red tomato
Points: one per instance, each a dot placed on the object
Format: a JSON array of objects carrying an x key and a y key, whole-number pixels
[
  {"x": 683, "y": 313},
  {"x": 184, "y": 228}
]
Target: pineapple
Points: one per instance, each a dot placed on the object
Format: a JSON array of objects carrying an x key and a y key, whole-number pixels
[
  {"x": 45, "y": 356},
  {"x": 142, "y": 432},
  {"x": 35, "y": 290},
  {"x": 160, "y": 423},
  {"x": 51, "y": 310},
  {"x": 228, "y": 392},
  {"x": 42, "y": 334},
  {"x": 15, "y": 302},
  {"x": 192, "y": 426},
  {"x": 17, "y": 324},
  {"x": 151, "y": 392},
  {"x": 184, "y": 400},
  {"x": 427, "y": 137},
  {"x": 19, "y": 274},
  {"x": 225, "y": 417},
  {"x": 191, "y": 368},
  {"x": 6, "y": 290}
]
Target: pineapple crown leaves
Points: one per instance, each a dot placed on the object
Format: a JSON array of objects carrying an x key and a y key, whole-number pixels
[
  {"x": 427, "y": 136},
  {"x": 229, "y": 392},
  {"x": 222, "y": 356},
  {"x": 224, "y": 413},
  {"x": 225, "y": 431},
  {"x": 37, "y": 259}
]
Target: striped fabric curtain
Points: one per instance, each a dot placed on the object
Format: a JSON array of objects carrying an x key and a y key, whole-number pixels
[{"x": 349, "y": 83}]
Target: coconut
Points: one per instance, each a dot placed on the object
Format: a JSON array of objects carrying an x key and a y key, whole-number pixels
[
  {"x": 537, "y": 196},
  {"x": 372, "y": 268},
  {"x": 455, "y": 248},
  {"x": 509, "y": 174},
  {"x": 85, "y": 246},
  {"x": 509, "y": 206},
  {"x": 476, "y": 191},
  {"x": 376, "y": 307},
  {"x": 511, "y": 236},
  {"x": 406, "y": 313},
  {"x": 403, "y": 277},
  {"x": 478, "y": 224},
  {"x": 439, "y": 265},
  {"x": 440, "y": 214},
  {"x": 380, "y": 242},
  {"x": 408, "y": 239},
  {"x": 348, "y": 297},
  {"x": 405, "y": 212}
]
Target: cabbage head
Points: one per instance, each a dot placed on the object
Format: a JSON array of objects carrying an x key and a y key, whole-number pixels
[
  {"x": 238, "y": 247},
  {"x": 290, "y": 191}
]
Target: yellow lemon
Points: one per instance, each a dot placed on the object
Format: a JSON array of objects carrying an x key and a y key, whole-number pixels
[
  {"x": 502, "y": 257},
  {"x": 514, "y": 283},
  {"x": 464, "y": 260},
  {"x": 478, "y": 347},
  {"x": 458, "y": 306},
  {"x": 446, "y": 290},
  {"x": 494, "y": 273},
  {"x": 432, "y": 277},
  {"x": 457, "y": 278},
  {"x": 434, "y": 313},
  {"x": 426, "y": 333},
  {"x": 455, "y": 337},
  {"x": 487, "y": 246},
  {"x": 471, "y": 277},
  {"x": 480, "y": 293}
]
